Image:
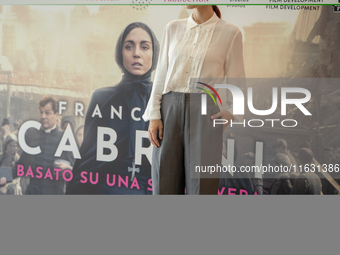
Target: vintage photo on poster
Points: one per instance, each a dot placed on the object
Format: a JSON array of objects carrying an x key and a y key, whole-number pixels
[{"x": 75, "y": 82}]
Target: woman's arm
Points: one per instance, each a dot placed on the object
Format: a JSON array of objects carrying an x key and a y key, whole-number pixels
[
  {"x": 234, "y": 70},
  {"x": 152, "y": 111},
  {"x": 235, "y": 65}
]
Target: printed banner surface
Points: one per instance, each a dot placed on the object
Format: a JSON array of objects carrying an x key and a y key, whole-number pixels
[{"x": 249, "y": 103}]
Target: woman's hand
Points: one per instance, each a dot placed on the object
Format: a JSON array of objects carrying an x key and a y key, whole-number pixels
[
  {"x": 154, "y": 126},
  {"x": 224, "y": 115}
]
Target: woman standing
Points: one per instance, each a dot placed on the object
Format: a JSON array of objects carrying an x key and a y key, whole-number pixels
[
  {"x": 136, "y": 55},
  {"x": 202, "y": 46}
]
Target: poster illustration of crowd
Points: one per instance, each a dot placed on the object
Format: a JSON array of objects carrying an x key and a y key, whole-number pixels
[{"x": 71, "y": 108}]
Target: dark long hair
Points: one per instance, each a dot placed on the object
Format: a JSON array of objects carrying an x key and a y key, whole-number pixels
[{"x": 217, "y": 11}]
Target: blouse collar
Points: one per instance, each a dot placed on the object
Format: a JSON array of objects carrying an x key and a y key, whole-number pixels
[{"x": 206, "y": 25}]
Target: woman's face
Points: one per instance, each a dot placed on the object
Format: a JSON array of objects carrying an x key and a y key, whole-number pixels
[
  {"x": 11, "y": 148},
  {"x": 137, "y": 52}
]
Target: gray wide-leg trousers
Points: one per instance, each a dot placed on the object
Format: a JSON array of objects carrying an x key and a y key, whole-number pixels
[{"x": 189, "y": 140}]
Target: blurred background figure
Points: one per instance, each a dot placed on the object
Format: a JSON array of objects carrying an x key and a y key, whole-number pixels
[
  {"x": 79, "y": 135},
  {"x": 282, "y": 183},
  {"x": 4, "y": 130},
  {"x": 281, "y": 146},
  {"x": 249, "y": 160},
  {"x": 7, "y": 160},
  {"x": 68, "y": 119},
  {"x": 16, "y": 126},
  {"x": 9, "y": 155},
  {"x": 307, "y": 183}
]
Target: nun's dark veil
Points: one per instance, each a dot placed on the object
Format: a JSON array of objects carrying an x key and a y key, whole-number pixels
[
  {"x": 132, "y": 91},
  {"x": 137, "y": 88},
  {"x": 119, "y": 49}
]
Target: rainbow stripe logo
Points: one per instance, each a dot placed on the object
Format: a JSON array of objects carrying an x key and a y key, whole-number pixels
[{"x": 212, "y": 89}]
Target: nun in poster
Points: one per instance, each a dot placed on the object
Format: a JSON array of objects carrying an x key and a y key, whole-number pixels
[{"x": 118, "y": 110}]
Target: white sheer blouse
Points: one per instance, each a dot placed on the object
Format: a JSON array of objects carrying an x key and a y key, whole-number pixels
[{"x": 189, "y": 50}]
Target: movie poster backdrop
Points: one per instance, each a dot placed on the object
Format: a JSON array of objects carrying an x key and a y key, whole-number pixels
[{"x": 69, "y": 52}]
